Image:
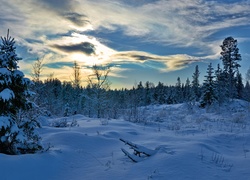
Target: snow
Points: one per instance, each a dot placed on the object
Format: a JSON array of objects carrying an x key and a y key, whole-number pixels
[
  {"x": 4, "y": 122},
  {"x": 7, "y": 94},
  {"x": 18, "y": 73},
  {"x": 190, "y": 143},
  {"x": 4, "y": 71}
]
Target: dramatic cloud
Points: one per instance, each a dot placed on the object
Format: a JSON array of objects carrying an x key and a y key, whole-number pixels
[
  {"x": 84, "y": 47},
  {"x": 60, "y": 31}
]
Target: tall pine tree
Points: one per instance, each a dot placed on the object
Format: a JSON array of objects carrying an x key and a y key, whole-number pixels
[
  {"x": 230, "y": 58},
  {"x": 17, "y": 128}
]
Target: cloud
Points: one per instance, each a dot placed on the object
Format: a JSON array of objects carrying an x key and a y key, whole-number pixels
[
  {"x": 84, "y": 47},
  {"x": 77, "y": 19},
  {"x": 46, "y": 28},
  {"x": 168, "y": 62}
]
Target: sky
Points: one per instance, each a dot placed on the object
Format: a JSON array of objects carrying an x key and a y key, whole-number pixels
[{"x": 140, "y": 40}]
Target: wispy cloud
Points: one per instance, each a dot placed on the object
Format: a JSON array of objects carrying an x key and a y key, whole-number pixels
[{"x": 169, "y": 63}]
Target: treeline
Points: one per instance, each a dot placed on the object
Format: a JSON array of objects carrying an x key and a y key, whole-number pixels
[
  {"x": 63, "y": 98},
  {"x": 98, "y": 100}
]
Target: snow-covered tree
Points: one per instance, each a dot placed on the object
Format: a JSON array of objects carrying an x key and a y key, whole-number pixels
[
  {"x": 17, "y": 126},
  {"x": 248, "y": 75},
  {"x": 187, "y": 91},
  {"x": 239, "y": 86},
  {"x": 195, "y": 84},
  {"x": 220, "y": 81},
  {"x": 148, "y": 95},
  {"x": 246, "y": 95},
  {"x": 178, "y": 91},
  {"x": 209, "y": 95},
  {"x": 230, "y": 58}
]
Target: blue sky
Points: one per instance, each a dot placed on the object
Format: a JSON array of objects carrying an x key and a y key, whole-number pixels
[{"x": 142, "y": 40}]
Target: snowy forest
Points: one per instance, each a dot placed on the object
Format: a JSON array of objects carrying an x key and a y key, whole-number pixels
[{"x": 24, "y": 101}]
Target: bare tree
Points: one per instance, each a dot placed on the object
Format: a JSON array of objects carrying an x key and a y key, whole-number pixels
[
  {"x": 99, "y": 84},
  {"x": 37, "y": 69},
  {"x": 76, "y": 75}
]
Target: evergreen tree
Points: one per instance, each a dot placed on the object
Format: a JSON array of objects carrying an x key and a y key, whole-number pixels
[
  {"x": 208, "y": 95},
  {"x": 246, "y": 95},
  {"x": 239, "y": 86},
  {"x": 159, "y": 94},
  {"x": 17, "y": 126},
  {"x": 220, "y": 82},
  {"x": 178, "y": 91},
  {"x": 230, "y": 58},
  {"x": 187, "y": 91},
  {"x": 147, "y": 97},
  {"x": 248, "y": 75},
  {"x": 195, "y": 84}
]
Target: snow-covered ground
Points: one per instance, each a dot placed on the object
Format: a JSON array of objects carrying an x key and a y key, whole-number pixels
[{"x": 190, "y": 143}]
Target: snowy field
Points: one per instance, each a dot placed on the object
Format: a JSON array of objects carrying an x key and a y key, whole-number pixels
[{"x": 189, "y": 143}]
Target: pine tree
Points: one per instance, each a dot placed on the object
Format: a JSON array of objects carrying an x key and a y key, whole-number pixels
[
  {"x": 17, "y": 126},
  {"x": 147, "y": 96},
  {"x": 247, "y": 91},
  {"x": 187, "y": 91},
  {"x": 195, "y": 84},
  {"x": 239, "y": 86},
  {"x": 220, "y": 82},
  {"x": 208, "y": 95},
  {"x": 178, "y": 91},
  {"x": 230, "y": 57}
]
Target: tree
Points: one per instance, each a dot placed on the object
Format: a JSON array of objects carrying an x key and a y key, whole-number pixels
[
  {"x": 247, "y": 91},
  {"x": 148, "y": 95},
  {"x": 187, "y": 90},
  {"x": 37, "y": 69},
  {"x": 17, "y": 135},
  {"x": 98, "y": 84},
  {"x": 195, "y": 84},
  {"x": 209, "y": 95},
  {"x": 76, "y": 75},
  {"x": 230, "y": 58},
  {"x": 247, "y": 86},
  {"x": 178, "y": 91},
  {"x": 77, "y": 87},
  {"x": 239, "y": 86},
  {"x": 220, "y": 82},
  {"x": 248, "y": 75}
]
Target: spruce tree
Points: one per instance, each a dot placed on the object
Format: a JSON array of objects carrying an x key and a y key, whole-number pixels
[
  {"x": 239, "y": 86},
  {"x": 247, "y": 91},
  {"x": 195, "y": 84},
  {"x": 17, "y": 127},
  {"x": 208, "y": 95},
  {"x": 178, "y": 91},
  {"x": 187, "y": 91}
]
